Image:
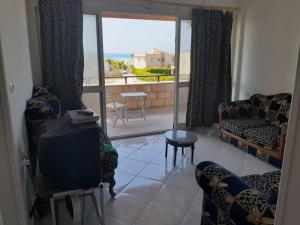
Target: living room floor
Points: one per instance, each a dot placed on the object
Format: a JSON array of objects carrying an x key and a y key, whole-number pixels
[{"x": 150, "y": 191}]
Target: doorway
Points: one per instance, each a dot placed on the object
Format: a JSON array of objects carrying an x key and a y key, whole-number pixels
[{"x": 136, "y": 76}]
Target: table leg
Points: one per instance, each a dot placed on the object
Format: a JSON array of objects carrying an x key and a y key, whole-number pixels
[
  {"x": 166, "y": 151},
  {"x": 143, "y": 107},
  {"x": 192, "y": 158},
  {"x": 126, "y": 113},
  {"x": 175, "y": 155},
  {"x": 182, "y": 151}
]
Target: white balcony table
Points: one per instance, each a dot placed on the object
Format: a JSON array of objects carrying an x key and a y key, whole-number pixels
[{"x": 142, "y": 95}]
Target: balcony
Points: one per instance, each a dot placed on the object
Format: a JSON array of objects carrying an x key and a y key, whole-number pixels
[{"x": 159, "y": 104}]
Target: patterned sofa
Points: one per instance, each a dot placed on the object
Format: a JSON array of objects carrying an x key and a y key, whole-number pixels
[
  {"x": 257, "y": 125},
  {"x": 232, "y": 200}
]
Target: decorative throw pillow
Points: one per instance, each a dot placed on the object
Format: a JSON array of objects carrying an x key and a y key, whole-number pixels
[{"x": 39, "y": 109}]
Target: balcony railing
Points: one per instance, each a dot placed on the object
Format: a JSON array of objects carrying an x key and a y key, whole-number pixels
[
  {"x": 136, "y": 79},
  {"x": 157, "y": 77}
]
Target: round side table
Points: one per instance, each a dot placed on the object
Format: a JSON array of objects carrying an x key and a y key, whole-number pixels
[{"x": 180, "y": 138}]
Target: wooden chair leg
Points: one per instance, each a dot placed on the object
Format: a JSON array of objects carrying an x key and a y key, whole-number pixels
[{"x": 112, "y": 183}]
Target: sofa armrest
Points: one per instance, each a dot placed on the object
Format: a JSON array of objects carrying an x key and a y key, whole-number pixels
[
  {"x": 235, "y": 109},
  {"x": 281, "y": 138},
  {"x": 234, "y": 197}
]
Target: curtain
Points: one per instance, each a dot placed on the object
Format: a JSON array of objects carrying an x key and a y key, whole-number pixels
[
  {"x": 210, "y": 81},
  {"x": 61, "y": 23}
]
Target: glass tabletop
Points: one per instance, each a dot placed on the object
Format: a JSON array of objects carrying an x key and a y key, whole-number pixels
[{"x": 181, "y": 136}]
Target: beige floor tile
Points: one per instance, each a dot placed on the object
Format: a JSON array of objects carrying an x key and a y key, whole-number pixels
[
  {"x": 131, "y": 166},
  {"x": 154, "y": 147},
  {"x": 114, "y": 221},
  {"x": 156, "y": 172},
  {"x": 174, "y": 196},
  {"x": 124, "y": 152},
  {"x": 122, "y": 180},
  {"x": 191, "y": 219},
  {"x": 157, "y": 214},
  {"x": 125, "y": 207},
  {"x": 196, "y": 206},
  {"x": 144, "y": 156},
  {"x": 186, "y": 165},
  {"x": 143, "y": 188},
  {"x": 167, "y": 162},
  {"x": 184, "y": 179}
]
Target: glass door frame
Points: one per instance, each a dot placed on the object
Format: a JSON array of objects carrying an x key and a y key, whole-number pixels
[
  {"x": 100, "y": 89},
  {"x": 96, "y": 9},
  {"x": 177, "y": 71},
  {"x": 177, "y": 83}
]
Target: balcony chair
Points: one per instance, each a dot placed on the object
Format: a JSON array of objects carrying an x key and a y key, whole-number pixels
[{"x": 116, "y": 109}]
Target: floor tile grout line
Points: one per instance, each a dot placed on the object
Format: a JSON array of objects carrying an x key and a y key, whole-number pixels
[{"x": 135, "y": 197}]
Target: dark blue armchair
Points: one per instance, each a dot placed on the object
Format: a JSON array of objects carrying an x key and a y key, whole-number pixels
[{"x": 232, "y": 200}]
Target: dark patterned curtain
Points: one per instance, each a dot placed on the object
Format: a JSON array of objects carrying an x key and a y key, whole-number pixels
[
  {"x": 61, "y": 24},
  {"x": 210, "y": 81}
]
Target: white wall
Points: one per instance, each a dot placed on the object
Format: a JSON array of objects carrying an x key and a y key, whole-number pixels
[
  {"x": 16, "y": 69},
  {"x": 271, "y": 40},
  {"x": 7, "y": 198},
  {"x": 287, "y": 211}
]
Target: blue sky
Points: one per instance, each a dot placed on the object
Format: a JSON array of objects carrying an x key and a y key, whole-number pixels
[{"x": 131, "y": 35}]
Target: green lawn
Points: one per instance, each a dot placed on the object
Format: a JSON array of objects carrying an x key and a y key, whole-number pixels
[{"x": 153, "y": 72}]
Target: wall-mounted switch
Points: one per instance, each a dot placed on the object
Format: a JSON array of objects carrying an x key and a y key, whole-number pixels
[{"x": 11, "y": 87}]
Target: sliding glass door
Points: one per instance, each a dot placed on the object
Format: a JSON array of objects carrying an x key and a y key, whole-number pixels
[
  {"x": 169, "y": 90},
  {"x": 93, "y": 76},
  {"x": 183, "y": 53},
  {"x": 139, "y": 52}
]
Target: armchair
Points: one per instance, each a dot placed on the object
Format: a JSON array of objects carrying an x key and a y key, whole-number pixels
[{"x": 233, "y": 200}]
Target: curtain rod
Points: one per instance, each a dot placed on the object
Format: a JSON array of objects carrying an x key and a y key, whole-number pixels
[{"x": 193, "y": 5}]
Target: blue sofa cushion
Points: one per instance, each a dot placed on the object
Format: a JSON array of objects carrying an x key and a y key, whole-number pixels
[
  {"x": 43, "y": 105},
  {"x": 229, "y": 199},
  {"x": 38, "y": 109}
]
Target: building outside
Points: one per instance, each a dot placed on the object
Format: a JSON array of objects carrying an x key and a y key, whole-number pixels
[{"x": 155, "y": 58}]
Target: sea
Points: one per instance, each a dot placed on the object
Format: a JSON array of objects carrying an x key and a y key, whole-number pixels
[{"x": 118, "y": 56}]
